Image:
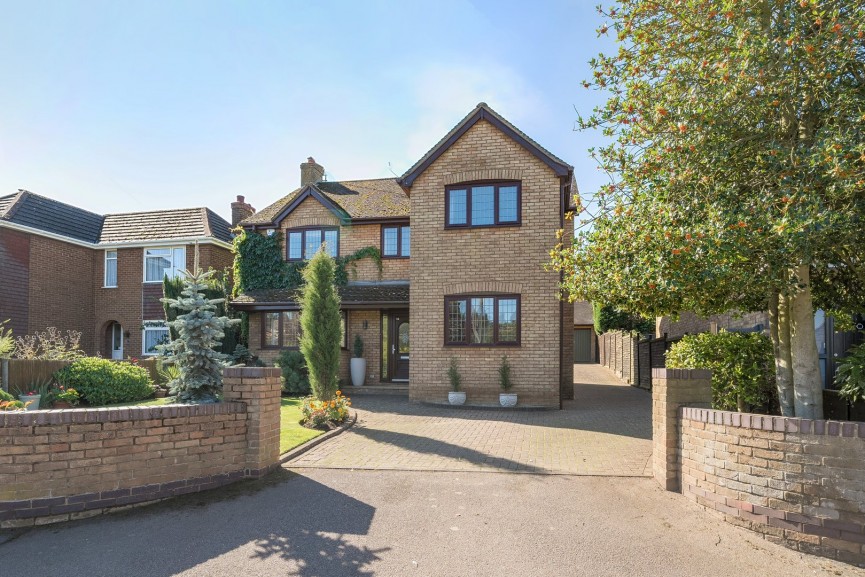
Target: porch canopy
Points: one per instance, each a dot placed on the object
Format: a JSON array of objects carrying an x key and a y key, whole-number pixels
[{"x": 355, "y": 295}]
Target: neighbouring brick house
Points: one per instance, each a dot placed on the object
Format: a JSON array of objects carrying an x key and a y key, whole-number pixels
[
  {"x": 68, "y": 268},
  {"x": 468, "y": 228}
]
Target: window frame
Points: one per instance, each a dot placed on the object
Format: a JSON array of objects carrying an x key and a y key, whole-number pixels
[
  {"x": 152, "y": 326},
  {"x": 174, "y": 271},
  {"x": 116, "y": 269},
  {"x": 399, "y": 240},
  {"x": 448, "y": 299},
  {"x": 304, "y": 230},
  {"x": 280, "y": 330},
  {"x": 497, "y": 186}
]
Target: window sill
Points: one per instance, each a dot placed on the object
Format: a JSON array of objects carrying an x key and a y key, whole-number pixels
[
  {"x": 484, "y": 345},
  {"x": 109, "y": 287},
  {"x": 473, "y": 226}
]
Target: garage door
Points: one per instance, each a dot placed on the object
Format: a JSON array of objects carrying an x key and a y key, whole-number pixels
[{"x": 583, "y": 345}]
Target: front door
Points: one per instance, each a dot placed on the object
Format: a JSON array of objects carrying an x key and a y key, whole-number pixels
[
  {"x": 400, "y": 346},
  {"x": 116, "y": 341}
]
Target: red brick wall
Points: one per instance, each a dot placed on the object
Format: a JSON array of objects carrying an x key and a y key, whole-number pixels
[
  {"x": 15, "y": 280},
  {"x": 799, "y": 482},
  {"x": 59, "y": 465}
]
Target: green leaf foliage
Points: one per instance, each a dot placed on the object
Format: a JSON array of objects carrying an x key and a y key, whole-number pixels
[
  {"x": 736, "y": 153},
  {"x": 7, "y": 341},
  {"x": 454, "y": 375},
  {"x": 850, "y": 376},
  {"x": 505, "y": 381},
  {"x": 294, "y": 372},
  {"x": 195, "y": 351},
  {"x": 607, "y": 318},
  {"x": 321, "y": 330},
  {"x": 217, "y": 289},
  {"x": 742, "y": 366},
  {"x": 102, "y": 382}
]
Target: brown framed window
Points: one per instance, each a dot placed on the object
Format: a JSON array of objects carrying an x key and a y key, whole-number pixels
[
  {"x": 483, "y": 204},
  {"x": 482, "y": 320},
  {"x": 303, "y": 243},
  {"x": 281, "y": 330},
  {"x": 396, "y": 241}
]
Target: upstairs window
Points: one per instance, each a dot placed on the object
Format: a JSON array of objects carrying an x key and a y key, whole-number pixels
[
  {"x": 110, "y": 280},
  {"x": 483, "y": 204},
  {"x": 481, "y": 320},
  {"x": 302, "y": 244},
  {"x": 162, "y": 262},
  {"x": 396, "y": 241}
]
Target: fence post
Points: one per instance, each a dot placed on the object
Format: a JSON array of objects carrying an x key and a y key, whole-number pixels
[{"x": 4, "y": 374}]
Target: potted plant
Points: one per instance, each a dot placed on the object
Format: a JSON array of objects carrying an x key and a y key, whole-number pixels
[
  {"x": 455, "y": 396},
  {"x": 36, "y": 392},
  {"x": 506, "y": 399},
  {"x": 63, "y": 398},
  {"x": 358, "y": 363}
]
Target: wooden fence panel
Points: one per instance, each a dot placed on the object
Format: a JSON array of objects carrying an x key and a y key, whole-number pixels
[{"x": 29, "y": 374}]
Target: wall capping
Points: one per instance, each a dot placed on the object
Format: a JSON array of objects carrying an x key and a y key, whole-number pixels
[
  {"x": 114, "y": 414},
  {"x": 774, "y": 423}
]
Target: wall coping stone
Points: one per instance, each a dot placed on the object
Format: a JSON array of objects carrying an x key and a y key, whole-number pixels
[
  {"x": 113, "y": 414},
  {"x": 251, "y": 372},
  {"x": 681, "y": 374},
  {"x": 774, "y": 423}
]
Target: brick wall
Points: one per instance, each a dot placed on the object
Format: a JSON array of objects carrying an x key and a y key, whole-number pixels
[
  {"x": 799, "y": 482},
  {"x": 486, "y": 260},
  {"x": 15, "y": 283},
  {"x": 690, "y": 323},
  {"x": 61, "y": 288},
  {"x": 59, "y": 465}
]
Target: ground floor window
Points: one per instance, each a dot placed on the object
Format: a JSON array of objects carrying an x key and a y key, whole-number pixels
[
  {"x": 154, "y": 333},
  {"x": 281, "y": 329},
  {"x": 482, "y": 320}
]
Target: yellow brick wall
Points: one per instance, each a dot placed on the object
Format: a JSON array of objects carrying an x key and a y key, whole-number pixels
[{"x": 508, "y": 259}]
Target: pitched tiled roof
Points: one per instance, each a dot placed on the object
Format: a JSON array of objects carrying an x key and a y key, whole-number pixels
[
  {"x": 34, "y": 211},
  {"x": 164, "y": 225},
  {"x": 376, "y": 198},
  {"x": 481, "y": 111},
  {"x": 389, "y": 292},
  {"x": 31, "y": 210}
]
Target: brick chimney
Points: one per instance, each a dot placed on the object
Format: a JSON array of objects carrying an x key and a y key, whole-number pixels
[
  {"x": 240, "y": 209},
  {"x": 311, "y": 172}
]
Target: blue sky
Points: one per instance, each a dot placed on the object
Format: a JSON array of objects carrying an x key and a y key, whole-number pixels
[{"x": 118, "y": 106}]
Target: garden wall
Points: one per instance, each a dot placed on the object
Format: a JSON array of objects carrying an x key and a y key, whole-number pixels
[
  {"x": 799, "y": 482},
  {"x": 67, "y": 464}
]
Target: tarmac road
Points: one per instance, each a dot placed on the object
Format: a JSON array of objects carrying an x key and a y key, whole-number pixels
[{"x": 345, "y": 523}]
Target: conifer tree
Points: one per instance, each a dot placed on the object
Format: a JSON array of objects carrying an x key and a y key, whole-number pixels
[{"x": 320, "y": 325}]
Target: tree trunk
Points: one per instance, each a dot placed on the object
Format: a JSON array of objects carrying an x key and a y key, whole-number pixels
[
  {"x": 807, "y": 384},
  {"x": 779, "y": 330}
]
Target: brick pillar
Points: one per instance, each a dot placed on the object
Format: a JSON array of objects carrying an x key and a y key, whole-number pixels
[
  {"x": 671, "y": 389},
  {"x": 259, "y": 388}
]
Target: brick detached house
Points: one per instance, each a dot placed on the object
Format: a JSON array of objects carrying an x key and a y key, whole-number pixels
[
  {"x": 65, "y": 267},
  {"x": 464, "y": 235}
]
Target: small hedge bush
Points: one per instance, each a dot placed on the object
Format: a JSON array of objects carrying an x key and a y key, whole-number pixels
[
  {"x": 294, "y": 372},
  {"x": 104, "y": 382},
  {"x": 9, "y": 403},
  {"x": 742, "y": 365}
]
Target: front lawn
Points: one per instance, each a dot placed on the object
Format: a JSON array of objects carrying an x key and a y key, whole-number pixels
[{"x": 291, "y": 432}]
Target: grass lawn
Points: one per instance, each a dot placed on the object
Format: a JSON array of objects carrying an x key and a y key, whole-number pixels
[{"x": 291, "y": 432}]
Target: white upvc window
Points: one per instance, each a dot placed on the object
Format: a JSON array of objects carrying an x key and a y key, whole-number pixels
[
  {"x": 153, "y": 333},
  {"x": 110, "y": 280},
  {"x": 161, "y": 262}
]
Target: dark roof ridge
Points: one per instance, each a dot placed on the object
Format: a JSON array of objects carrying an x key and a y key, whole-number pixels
[
  {"x": 16, "y": 201},
  {"x": 23, "y": 194}
]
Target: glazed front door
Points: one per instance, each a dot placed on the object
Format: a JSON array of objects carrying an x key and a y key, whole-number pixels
[
  {"x": 116, "y": 341},
  {"x": 400, "y": 346}
]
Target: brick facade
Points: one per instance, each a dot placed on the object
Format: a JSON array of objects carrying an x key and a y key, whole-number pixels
[
  {"x": 689, "y": 323},
  {"x": 60, "y": 465},
  {"x": 487, "y": 260},
  {"x": 61, "y": 284}
]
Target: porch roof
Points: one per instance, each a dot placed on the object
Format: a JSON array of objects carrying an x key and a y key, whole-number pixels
[{"x": 354, "y": 295}]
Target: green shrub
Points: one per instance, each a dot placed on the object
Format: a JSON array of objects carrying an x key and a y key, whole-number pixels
[
  {"x": 321, "y": 327},
  {"x": 505, "y": 381},
  {"x": 294, "y": 372},
  {"x": 104, "y": 382},
  {"x": 607, "y": 318},
  {"x": 742, "y": 365},
  {"x": 850, "y": 376},
  {"x": 454, "y": 375}
]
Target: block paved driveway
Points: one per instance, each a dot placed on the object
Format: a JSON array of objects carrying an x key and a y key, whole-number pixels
[{"x": 606, "y": 430}]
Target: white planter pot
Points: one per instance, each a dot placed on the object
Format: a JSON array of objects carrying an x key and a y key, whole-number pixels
[
  {"x": 457, "y": 397},
  {"x": 34, "y": 405},
  {"x": 358, "y": 372},
  {"x": 508, "y": 399}
]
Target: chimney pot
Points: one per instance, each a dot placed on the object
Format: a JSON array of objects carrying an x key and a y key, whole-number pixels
[
  {"x": 311, "y": 172},
  {"x": 241, "y": 198}
]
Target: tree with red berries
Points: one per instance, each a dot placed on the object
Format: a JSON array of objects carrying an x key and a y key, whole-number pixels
[{"x": 737, "y": 170}]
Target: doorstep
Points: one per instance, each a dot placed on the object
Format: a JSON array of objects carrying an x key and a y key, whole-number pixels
[{"x": 400, "y": 389}]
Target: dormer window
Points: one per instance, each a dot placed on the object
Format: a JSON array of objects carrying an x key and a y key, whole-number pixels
[
  {"x": 483, "y": 204},
  {"x": 303, "y": 243}
]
